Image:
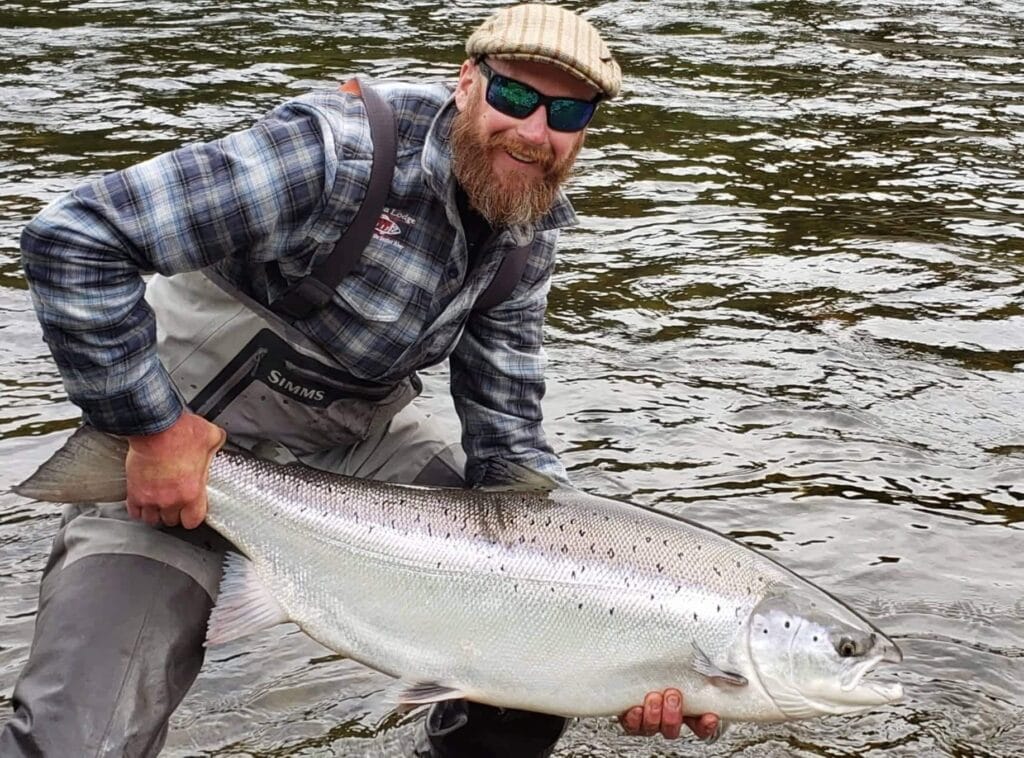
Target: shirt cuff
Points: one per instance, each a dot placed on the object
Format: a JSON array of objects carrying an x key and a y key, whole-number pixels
[{"x": 150, "y": 406}]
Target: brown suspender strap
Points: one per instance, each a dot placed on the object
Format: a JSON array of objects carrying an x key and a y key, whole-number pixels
[
  {"x": 509, "y": 274},
  {"x": 314, "y": 291}
]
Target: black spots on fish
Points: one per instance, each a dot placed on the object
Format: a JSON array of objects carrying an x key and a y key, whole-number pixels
[
  {"x": 611, "y": 611},
  {"x": 611, "y": 553},
  {"x": 718, "y": 609},
  {"x": 665, "y": 543},
  {"x": 582, "y": 533},
  {"x": 634, "y": 549},
  {"x": 417, "y": 519},
  {"x": 547, "y": 522},
  {"x": 766, "y": 631},
  {"x": 699, "y": 546},
  {"x": 579, "y": 606},
  {"x": 522, "y": 538},
  {"x": 717, "y": 572},
  {"x": 515, "y": 587},
  {"x": 661, "y": 568},
  {"x": 647, "y": 540},
  {"x": 652, "y": 596},
  {"x": 739, "y": 565},
  {"x": 447, "y": 535},
  {"x": 533, "y": 522},
  {"x": 574, "y": 573},
  {"x": 694, "y": 615},
  {"x": 430, "y": 531},
  {"x": 593, "y": 547},
  {"x": 787, "y": 625},
  {"x": 561, "y": 527},
  {"x": 446, "y": 512},
  {"x": 565, "y": 548},
  {"x": 679, "y": 588},
  {"x": 439, "y": 564}
]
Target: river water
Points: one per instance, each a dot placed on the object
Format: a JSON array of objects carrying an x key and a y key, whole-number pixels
[{"x": 794, "y": 310}]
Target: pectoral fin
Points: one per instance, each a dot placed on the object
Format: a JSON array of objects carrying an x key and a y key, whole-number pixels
[
  {"x": 423, "y": 693},
  {"x": 244, "y": 605},
  {"x": 703, "y": 665}
]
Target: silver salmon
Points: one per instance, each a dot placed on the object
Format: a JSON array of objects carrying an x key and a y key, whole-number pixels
[{"x": 523, "y": 596}]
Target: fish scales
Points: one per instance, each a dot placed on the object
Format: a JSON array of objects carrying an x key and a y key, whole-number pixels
[{"x": 433, "y": 582}]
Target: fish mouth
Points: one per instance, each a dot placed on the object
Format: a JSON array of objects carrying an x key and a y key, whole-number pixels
[{"x": 874, "y": 692}]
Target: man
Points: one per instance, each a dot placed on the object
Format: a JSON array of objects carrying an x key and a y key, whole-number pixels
[{"x": 223, "y": 341}]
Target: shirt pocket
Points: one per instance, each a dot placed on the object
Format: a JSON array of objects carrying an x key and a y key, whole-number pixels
[{"x": 376, "y": 295}]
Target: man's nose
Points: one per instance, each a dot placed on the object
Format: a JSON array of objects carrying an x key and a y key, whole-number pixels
[{"x": 534, "y": 128}]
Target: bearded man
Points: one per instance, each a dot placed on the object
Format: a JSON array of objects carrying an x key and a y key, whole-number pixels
[{"x": 261, "y": 326}]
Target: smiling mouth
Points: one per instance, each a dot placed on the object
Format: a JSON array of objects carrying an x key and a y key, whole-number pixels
[{"x": 520, "y": 158}]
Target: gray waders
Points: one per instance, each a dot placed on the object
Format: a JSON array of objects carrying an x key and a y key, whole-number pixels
[{"x": 123, "y": 606}]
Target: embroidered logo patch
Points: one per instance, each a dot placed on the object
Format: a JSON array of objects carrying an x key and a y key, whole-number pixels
[{"x": 392, "y": 224}]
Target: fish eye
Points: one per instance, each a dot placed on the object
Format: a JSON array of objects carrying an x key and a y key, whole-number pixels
[{"x": 849, "y": 647}]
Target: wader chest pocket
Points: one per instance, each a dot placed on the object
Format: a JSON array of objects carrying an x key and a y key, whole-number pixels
[{"x": 269, "y": 390}]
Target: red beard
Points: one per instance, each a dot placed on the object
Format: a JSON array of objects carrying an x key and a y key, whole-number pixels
[{"x": 509, "y": 198}]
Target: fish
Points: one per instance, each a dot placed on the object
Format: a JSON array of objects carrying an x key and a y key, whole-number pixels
[{"x": 523, "y": 595}]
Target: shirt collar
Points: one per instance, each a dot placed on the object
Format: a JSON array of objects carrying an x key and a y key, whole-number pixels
[{"x": 437, "y": 166}]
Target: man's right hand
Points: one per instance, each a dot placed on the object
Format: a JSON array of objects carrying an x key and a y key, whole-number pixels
[{"x": 167, "y": 472}]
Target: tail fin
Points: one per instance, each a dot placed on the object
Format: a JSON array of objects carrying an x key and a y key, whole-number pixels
[{"x": 88, "y": 468}]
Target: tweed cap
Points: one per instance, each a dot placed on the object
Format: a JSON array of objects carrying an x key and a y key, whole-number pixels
[{"x": 549, "y": 34}]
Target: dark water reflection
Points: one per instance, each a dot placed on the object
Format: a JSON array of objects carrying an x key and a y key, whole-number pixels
[{"x": 794, "y": 310}]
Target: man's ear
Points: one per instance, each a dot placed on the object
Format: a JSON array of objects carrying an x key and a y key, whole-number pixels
[{"x": 467, "y": 74}]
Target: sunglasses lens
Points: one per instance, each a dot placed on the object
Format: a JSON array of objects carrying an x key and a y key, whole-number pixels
[
  {"x": 568, "y": 115},
  {"x": 565, "y": 114},
  {"x": 511, "y": 97}
]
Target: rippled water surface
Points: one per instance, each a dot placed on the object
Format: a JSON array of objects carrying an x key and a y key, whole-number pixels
[{"x": 794, "y": 310}]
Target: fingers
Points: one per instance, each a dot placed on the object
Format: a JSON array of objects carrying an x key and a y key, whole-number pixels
[
  {"x": 652, "y": 714},
  {"x": 662, "y": 712},
  {"x": 194, "y": 514},
  {"x": 672, "y": 714},
  {"x": 704, "y": 726},
  {"x": 632, "y": 719}
]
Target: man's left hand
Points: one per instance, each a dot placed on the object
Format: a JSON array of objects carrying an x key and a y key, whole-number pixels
[{"x": 663, "y": 712}]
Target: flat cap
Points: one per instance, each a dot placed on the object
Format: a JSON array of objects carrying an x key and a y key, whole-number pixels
[{"x": 549, "y": 34}]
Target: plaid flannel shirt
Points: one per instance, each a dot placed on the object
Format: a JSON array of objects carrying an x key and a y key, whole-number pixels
[{"x": 263, "y": 206}]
